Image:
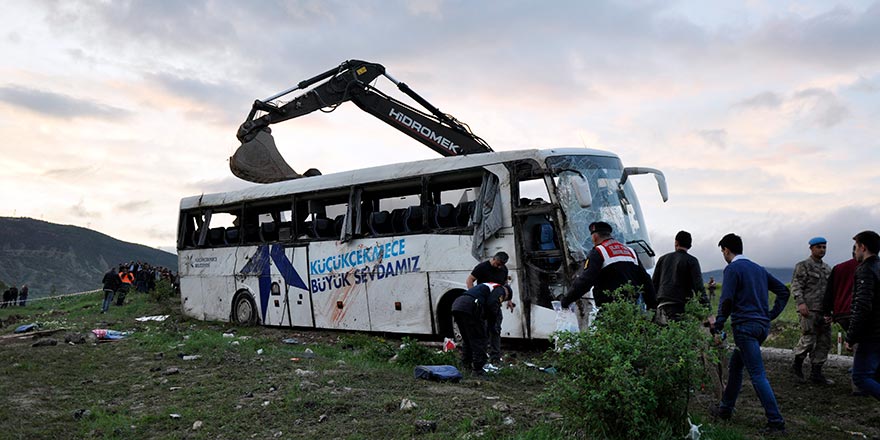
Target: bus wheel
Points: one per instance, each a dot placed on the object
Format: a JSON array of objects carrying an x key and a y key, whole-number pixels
[
  {"x": 447, "y": 327},
  {"x": 244, "y": 310}
]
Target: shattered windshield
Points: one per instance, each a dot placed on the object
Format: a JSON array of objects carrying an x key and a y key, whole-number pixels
[{"x": 623, "y": 213}]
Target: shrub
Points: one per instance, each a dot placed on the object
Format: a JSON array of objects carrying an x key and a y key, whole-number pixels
[
  {"x": 162, "y": 291},
  {"x": 412, "y": 353},
  {"x": 628, "y": 377}
]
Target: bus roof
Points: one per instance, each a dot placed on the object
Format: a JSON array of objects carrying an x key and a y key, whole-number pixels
[{"x": 378, "y": 174}]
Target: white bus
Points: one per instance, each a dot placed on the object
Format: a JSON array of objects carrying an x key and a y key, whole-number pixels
[{"x": 388, "y": 249}]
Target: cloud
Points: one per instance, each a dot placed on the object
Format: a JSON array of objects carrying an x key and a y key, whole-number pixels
[
  {"x": 762, "y": 100},
  {"x": 134, "y": 206},
  {"x": 824, "y": 107},
  {"x": 58, "y": 105},
  {"x": 68, "y": 173},
  {"x": 218, "y": 185},
  {"x": 80, "y": 210},
  {"x": 716, "y": 137}
]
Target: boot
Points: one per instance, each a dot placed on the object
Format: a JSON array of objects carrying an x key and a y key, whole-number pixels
[
  {"x": 817, "y": 377},
  {"x": 797, "y": 368}
]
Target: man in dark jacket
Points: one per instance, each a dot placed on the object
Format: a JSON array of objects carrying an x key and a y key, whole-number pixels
[
  {"x": 864, "y": 325},
  {"x": 23, "y": 295},
  {"x": 493, "y": 270},
  {"x": 677, "y": 278},
  {"x": 471, "y": 310},
  {"x": 744, "y": 300},
  {"x": 610, "y": 265},
  {"x": 112, "y": 282}
]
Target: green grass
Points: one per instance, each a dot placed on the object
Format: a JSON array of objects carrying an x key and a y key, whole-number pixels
[{"x": 124, "y": 386}]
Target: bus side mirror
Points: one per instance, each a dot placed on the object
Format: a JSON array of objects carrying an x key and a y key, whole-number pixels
[
  {"x": 582, "y": 192},
  {"x": 661, "y": 179}
]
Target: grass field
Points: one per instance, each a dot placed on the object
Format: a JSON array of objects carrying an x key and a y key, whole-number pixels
[{"x": 328, "y": 385}]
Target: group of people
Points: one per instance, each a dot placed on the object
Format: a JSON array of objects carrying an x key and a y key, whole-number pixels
[
  {"x": 14, "y": 294},
  {"x": 142, "y": 277},
  {"x": 848, "y": 294}
]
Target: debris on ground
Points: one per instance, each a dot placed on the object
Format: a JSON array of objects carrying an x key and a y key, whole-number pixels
[
  {"x": 171, "y": 370},
  {"x": 47, "y": 342},
  {"x": 425, "y": 426},
  {"x": 75, "y": 338},
  {"x": 26, "y": 328},
  {"x": 158, "y": 318},
  {"x": 406, "y": 405},
  {"x": 290, "y": 341},
  {"x": 174, "y": 416},
  {"x": 439, "y": 373},
  {"x": 109, "y": 335},
  {"x": 197, "y": 424},
  {"x": 189, "y": 357}
]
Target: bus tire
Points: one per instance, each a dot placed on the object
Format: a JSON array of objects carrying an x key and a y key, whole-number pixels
[
  {"x": 446, "y": 325},
  {"x": 244, "y": 309}
]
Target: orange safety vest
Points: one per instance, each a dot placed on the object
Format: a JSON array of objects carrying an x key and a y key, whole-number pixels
[{"x": 126, "y": 278}]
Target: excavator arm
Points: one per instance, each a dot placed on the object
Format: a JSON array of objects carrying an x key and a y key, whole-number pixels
[{"x": 258, "y": 160}]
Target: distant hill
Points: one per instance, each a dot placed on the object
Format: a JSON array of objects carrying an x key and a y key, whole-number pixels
[
  {"x": 63, "y": 258},
  {"x": 784, "y": 274}
]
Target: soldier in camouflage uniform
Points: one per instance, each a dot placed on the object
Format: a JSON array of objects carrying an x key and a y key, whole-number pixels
[{"x": 808, "y": 287}]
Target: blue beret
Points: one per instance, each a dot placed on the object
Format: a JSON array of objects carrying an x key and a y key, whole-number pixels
[{"x": 817, "y": 240}]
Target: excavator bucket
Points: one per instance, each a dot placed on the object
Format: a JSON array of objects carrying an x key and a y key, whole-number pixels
[{"x": 259, "y": 161}]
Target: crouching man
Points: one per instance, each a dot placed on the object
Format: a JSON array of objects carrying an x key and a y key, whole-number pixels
[{"x": 471, "y": 312}]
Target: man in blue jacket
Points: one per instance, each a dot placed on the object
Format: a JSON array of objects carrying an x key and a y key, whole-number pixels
[{"x": 744, "y": 300}]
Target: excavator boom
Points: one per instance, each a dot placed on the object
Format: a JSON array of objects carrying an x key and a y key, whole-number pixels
[{"x": 258, "y": 160}]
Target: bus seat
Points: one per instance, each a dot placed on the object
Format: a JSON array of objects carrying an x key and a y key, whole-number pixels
[
  {"x": 268, "y": 232},
  {"x": 322, "y": 228},
  {"x": 307, "y": 227},
  {"x": 546, "y": 241},
  {"x": 444, "y": 215},
  {"x": 413, "y": 219},
  {"x": 463, "y": 213},
  {"x": 380, "y": 223},
  {"x": 398, "y": 220},
  {"x": 338, "y": 223},
  {"x": 285, "y": 231},
  {"x": 217, "y": 236},
  {"x": 232, "y": 236},
  {"x": 251, "y": 233}
]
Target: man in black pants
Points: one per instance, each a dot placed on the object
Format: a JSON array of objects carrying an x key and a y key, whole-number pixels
[
  {"x": 470, "y": 311},
  {"x": 493, "y": 271}
]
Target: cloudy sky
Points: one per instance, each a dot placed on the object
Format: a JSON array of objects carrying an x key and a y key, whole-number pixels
[{"x": 763, "y": 115}]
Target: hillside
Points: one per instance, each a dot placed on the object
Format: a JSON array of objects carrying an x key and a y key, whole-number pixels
[{"x": 63, "y": 258}]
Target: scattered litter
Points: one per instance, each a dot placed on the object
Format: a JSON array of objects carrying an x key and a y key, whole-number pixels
[
  {"x": 448, "y": 344},
  {"x": 228, "y": 335},
  {"x": 260, "y": 351},
  {"x": 425, "y": 426},
  {"x": 278, "y": 434},
  {"x": 323, "y": 418},
  {"x": 234, "y": 343},
  {"x": 265, "y": 403},
  {"x": 171, "y": 370},
  {"x": 406, "y": 405},
  {"x": 174, "y": 416},
  {"x": 501, "y": 406},
  {"x": 491, "y": 397},
  {"x": 549, "y": 370},
  {"x": 304, "y": 355},
  {"x": 508, "y": 421},
  {"x": 440, "y": 373},
  {"x": 190, "y": 357},
  {"x": 304, "y": 373},
  {"x": 291, "y": 341},
  {"x": 159, "y": 318},
  {"x": 175, "y": 388},
  {"x": 309, "y": 351},
  {"x": 197, "y": 424},
  {"x": 857, "y": 434},
  {"x": 693, "y": 432},
  {"x": 26, "y": 328},
  {"x": 491, "y": 369},
  {"x": 295, "y": 359},
  {"x": 48, "y": 342},
  {"x": 109, "y": 335},
  {"x": 186, "y": 337}
]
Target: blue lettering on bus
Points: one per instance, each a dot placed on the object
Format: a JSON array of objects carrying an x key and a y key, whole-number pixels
[{"x": 357, "y": 258}]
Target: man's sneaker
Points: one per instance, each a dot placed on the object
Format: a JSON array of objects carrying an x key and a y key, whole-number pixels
[
  {"x": 773, "y": 429},
  {"x": 489, "y": 368},
  {"x": 720, "y": 413}
]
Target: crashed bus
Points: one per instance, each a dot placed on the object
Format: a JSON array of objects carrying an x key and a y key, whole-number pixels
[{"x": 389, "y": 248}]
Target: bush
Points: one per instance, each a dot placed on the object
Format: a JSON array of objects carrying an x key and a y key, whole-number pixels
[
  {"x": 628, "y": 377},
  {"x": 412, "y": 353},
  {"x": 163, "y": 290}
]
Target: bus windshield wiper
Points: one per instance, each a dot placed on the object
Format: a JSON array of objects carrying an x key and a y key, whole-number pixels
[{"x": 644, "y": 245}]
